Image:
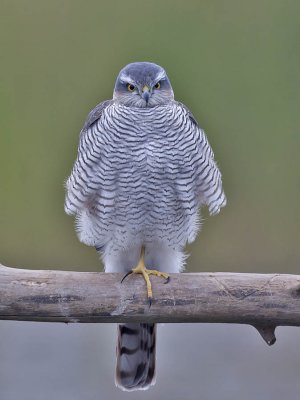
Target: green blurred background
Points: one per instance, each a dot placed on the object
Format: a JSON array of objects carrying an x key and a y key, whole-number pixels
[{"x": 235, "y": 64}]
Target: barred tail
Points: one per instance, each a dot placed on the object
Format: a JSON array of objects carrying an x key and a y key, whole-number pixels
[{"x": 135, "y": 356}]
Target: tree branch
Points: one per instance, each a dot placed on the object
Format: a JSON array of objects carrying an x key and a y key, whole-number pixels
[{"x": 262, "y": 300}]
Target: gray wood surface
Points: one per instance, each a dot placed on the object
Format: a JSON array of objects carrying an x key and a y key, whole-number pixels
[{"x": 262, "y": 300}]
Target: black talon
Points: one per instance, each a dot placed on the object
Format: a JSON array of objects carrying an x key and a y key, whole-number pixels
[
  {"x": 167, "y": 280},
  {"x": 150, "y": 301},
  {"x": 125, "y": 276}
]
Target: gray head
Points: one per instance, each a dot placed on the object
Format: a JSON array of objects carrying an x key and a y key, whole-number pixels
[{"x": 143, "y": 84}]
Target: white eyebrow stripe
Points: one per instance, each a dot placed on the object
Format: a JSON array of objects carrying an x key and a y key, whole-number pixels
[
  {"x": 124, "y": 78},
  {"x": 161, "y": 75}
]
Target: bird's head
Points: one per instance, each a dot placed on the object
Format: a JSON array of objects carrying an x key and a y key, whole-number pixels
[{"x": 143, "y": 84}]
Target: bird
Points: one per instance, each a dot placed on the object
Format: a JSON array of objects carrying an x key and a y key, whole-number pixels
[{"x": 143, "y": 170}]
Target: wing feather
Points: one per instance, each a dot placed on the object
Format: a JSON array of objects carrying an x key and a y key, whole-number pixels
[
  {"x": 81, "y": 184},
  {"x": 208, "y": 176}
]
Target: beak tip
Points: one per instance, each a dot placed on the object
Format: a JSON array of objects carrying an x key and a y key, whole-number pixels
[
  {"x": 146, "y": 93},
  {"x": 146, "y": 96}
]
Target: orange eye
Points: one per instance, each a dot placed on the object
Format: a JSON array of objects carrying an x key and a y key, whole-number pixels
[
  {"x": 130, "y": 87},
  {"x": 157, "y": 85}
]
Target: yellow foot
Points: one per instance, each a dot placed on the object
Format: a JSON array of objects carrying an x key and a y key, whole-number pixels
[{"x": 141, "y": 269}]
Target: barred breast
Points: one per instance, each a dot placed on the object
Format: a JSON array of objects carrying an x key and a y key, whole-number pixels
[{"x": 140, "y": 177}]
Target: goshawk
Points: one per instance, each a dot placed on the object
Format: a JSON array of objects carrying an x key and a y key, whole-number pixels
[{"x": 143, "y": 169}]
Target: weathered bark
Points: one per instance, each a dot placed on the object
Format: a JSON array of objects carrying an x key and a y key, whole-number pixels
[{"x": 262, "y": 300}]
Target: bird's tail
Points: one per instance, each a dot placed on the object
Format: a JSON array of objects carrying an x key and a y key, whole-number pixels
[{"x": 135, "y": 356}]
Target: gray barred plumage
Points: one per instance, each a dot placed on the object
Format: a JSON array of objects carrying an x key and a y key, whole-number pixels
[
  {"x": 144, "y": 167},
  {"x": 136, "y": 356}
]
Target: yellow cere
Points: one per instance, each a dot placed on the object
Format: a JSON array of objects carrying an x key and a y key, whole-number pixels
[{"x": 145, "y": 89}]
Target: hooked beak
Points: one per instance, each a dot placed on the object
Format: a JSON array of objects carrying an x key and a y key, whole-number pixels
[{"x": 146, "y": 93}]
